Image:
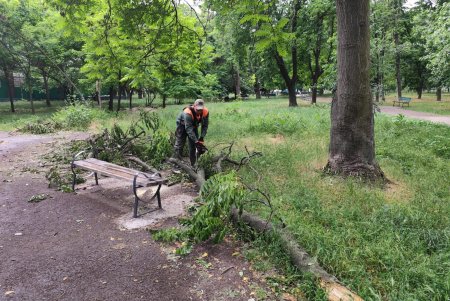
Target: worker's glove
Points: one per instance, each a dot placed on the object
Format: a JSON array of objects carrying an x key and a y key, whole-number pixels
[
  {"x": 201, "y": 139},
  {"x": 199, "y": 145}
]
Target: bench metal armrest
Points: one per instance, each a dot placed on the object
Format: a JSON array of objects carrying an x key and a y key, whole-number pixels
[{"x": 137, "y": 199}]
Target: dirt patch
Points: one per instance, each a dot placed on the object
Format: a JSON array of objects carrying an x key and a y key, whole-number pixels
[
  {"x": 278, "y": 139},
  {"x": 398, "y": 192},
  {"x": 71, "y": 247}
]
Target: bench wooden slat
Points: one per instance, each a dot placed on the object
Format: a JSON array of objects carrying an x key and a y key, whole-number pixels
[{"x": 112, "y": 170}]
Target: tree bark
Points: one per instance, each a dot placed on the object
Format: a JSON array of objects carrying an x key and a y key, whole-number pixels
[
  {"x": 10, "y": 82},
  {"x": 352, "y": 146},
  {"x": 120, "y": 92},
  {"x": 289, "y": 82},
  {"x": 439, "y": 94},
  {"x": 30, "y": 96},
  {"x": 237, "y": 83},
  {"x": 257, "y": 87},
  {"x": 419, "y": 93},
  {"x": 397, "y": 66},
  {"x": 130, "y": 95},
  {"x": 47, "y": 91},
  {"x": 111, "y": 98},
  {"x": 314, "y": 93},
  {"x": 98, "y": 90},
  {"x": 397, "y": 8}
]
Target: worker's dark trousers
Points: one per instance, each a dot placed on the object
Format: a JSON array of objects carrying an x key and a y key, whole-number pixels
[{"x": 180, "y": 140}]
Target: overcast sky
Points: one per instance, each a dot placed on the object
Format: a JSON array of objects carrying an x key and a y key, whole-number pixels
[{"x": 410, "y": 3}]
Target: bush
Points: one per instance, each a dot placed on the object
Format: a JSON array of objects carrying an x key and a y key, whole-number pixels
[
  {"x": 77, "y": 116},
  {"x": 41, "y": 127}
]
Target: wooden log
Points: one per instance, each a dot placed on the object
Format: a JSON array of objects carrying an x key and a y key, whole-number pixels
[
  {"x": 197, "y": 176},
  {"x": 142, "y": 163}
]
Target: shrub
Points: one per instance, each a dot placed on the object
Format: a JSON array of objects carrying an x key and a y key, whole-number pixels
[
  {"x": 77, "y": 116},
  {"x": 41, "y": 127}
]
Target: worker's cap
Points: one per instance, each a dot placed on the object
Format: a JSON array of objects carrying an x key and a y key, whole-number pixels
[{"x": 199, "y": 104}]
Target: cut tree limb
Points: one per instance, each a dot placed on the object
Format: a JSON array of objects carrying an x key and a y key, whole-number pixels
[
  {"x": 199, "y": 176},
  {"x": 142, "y": 163},
  {"x": 300, "y": 258}
]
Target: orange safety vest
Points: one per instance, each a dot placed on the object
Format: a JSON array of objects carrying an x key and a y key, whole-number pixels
[{"x": 196, "y": 117}]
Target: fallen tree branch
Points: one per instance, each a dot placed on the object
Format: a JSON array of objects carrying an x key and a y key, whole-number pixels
[
  {"x": 300, "y": 258},
  {"x": 142, "y": 163},
  {"x": 122, "y": 147},
  {"x": 199, "y": 176}
]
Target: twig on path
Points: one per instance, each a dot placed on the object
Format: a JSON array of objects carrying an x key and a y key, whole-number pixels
[{"x": 226, "y": 270}]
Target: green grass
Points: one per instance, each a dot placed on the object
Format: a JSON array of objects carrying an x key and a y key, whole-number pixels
[
  {"x": 387, "y": 243},
  {"x": 23, "y": 115}
]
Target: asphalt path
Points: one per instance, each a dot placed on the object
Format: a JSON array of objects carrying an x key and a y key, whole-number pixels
[{"x": 416, "y": 115}]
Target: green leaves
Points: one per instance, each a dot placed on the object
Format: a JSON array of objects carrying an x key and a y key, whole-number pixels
[
  {"x": 255, "y": 19},
  {"x": 219, "y": 194}
]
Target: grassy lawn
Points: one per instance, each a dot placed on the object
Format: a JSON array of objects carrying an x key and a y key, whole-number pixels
[
  {"x": 428, "y": 103},
  {"x": 10, "y": 121},
  {"x": 386, "y": 243}
]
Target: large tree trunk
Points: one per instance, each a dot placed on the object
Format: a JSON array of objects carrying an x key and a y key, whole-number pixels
[
  {"x": 10, "y": 82},
  {"x": 292, "y": 97},
  {"x": 47, "y": 90},
  {"x": 120, "y": 91},
  {"x": 257, "y": 87},
  {"x": 237, "y": 83},
  {"x": 419, "y": 93},
  {"x": 98, "y": 92},
  {"x": 439, "y": 94},
  {"x": 314, "y": 94},
  {"x": 111, "y": 98},
  {"x": 352, "y": 146},
  {"x": 30, "y": 96},
  {"x": 397, "y": 66},
  {"x": 130, "y": 95},
  {"x": 397, "y": 6},
  {"x": 164, "y": 100},
  {"x": 289, "y": 82}
]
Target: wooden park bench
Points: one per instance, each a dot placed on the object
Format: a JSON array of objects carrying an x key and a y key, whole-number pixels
[
  {"x": 137, "y": 178},
  {"x": 402, "y": 101}
]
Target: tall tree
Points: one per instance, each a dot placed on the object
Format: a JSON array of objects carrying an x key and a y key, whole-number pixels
[
  {"x": 352, "y": 145},
  {"x": 397, "y": 6},
  {"x": 317, "y": 41},
  {"x": 7, "y": 62},
  {"x": 275, "y": 24},
  {"x": 435, "y": 26},
  {"x": 416, "y": 75}
]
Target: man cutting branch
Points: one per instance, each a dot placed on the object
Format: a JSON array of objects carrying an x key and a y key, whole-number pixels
[{"x": 187, "y": 127}]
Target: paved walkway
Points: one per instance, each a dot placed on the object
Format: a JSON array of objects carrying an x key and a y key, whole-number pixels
[{"x": 416, "y": 115}]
